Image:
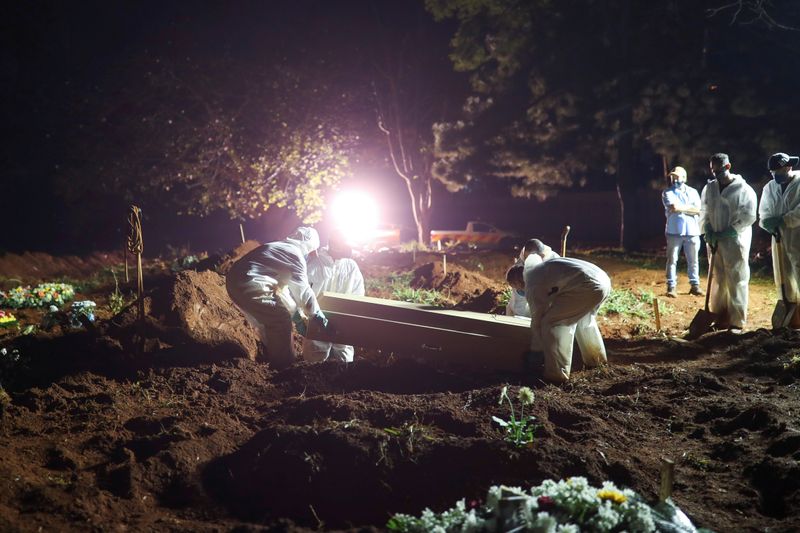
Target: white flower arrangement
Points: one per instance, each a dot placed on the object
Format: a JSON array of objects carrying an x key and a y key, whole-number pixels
[{"x": 565, "y": 506}]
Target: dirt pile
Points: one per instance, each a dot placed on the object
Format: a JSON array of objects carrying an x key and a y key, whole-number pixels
[
  {"x": 190, "y": 311},
  {"x": 222, "y": 263},
  {"x": 471, "y": 290}
]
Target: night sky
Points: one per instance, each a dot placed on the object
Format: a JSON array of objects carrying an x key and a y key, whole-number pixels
[{"x": 63, "y": 61}]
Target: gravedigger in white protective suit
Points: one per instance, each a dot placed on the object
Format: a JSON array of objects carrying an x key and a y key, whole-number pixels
[
  {"x": 779, "y": 211},
  {"x": 332, "y": 270},
  {"x": 564, "y": 295},
  {"x": 517, "y": 303},
  {"x": 270, "y": 286},
  {"x": 727, "y": 213}
]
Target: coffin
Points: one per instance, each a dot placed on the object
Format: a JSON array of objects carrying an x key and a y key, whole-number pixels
[{"x": 464, "y": 337}]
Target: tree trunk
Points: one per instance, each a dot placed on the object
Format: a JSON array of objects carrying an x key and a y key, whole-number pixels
[{"x": 419, "y": 191}]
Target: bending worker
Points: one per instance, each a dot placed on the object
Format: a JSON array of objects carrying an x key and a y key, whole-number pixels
[
  {"x": 779, "y": 212},
  {"x": 332, "y": 270},
  {"x": 270, "y": 286},
  {"x": 517, "y": 303},
  {"x": 682, "y": 209},
  {"x": 564, "y": 295},
  {"x": 728, "y": 210}
]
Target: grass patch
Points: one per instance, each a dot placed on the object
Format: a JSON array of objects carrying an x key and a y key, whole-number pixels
[
  {"x": 505, "y": 296},
  {"x": 418, "y": 296},
  {"x": 386, "y": 286},
  {"x": 626, "y": 302}
]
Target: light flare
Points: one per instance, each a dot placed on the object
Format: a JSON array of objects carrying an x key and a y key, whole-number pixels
[{"x": 355, "y": 215}]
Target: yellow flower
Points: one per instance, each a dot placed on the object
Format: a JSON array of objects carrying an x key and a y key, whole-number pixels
[{"x": 612, "y": 495}]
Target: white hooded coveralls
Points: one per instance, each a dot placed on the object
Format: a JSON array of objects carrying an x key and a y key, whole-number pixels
[
  {"x": 269, "y": 284},
  {"x": 778, "y": 203},
  {"x": 734, "y": 207},
  {"x": 343, "y": 276},
  {"x": 564, "y": 295},
  {"x": 517, "y": 303}
]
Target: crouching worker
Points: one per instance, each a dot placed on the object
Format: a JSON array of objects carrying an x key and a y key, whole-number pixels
[
  {"x": 332, "y": 270},
  {"x": 564, "y": 295},
  {"x": 517, "y": 303},
  {"x": 270, "y": 286},
  {"x": 534, "y": 252}
]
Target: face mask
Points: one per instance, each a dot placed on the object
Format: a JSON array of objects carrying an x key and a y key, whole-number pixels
[
  {"x": 780, "y": 178},
  {"x": 677, "y": 183}
]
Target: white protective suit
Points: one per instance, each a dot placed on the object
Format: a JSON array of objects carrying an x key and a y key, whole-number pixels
[
  {"x": 269, "y": 284},
  {"x": 341, "y": 275},
  {"x": 734, "y": 208},
  {"x": 564, "y": 295},
  {"x": 517, "y": 303},
  {"x": 778, "y": 203}
]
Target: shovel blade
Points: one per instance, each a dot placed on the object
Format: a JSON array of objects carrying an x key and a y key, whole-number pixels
[
  {"x": 701, "y": 323},
  {"x": 783, "y": 313}
]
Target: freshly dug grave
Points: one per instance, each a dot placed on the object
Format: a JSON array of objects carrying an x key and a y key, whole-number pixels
[{"x": 193, "y": 435}]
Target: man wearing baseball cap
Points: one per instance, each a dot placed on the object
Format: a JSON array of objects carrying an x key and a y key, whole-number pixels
[
  {"x": 682, "y": 209},
  {"x": 728, "y": 210},
  {"x": 779, "y": 213}
]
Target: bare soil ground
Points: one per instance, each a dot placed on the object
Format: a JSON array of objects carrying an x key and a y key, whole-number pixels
[{"x": 172, "y": 426}]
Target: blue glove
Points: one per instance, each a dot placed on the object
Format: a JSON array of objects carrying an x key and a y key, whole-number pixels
[
  {"x": 771, "y": 224},
  {"x": 729, "y": 233},
  {"x": 299, "y": 323},
  {"x": 319, "y": 318}
]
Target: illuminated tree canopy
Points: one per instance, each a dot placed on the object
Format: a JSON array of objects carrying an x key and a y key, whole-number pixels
[{"x": 234, "y": 137}]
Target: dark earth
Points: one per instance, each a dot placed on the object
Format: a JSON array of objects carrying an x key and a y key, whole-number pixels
[{"x": 175, "y": 424}]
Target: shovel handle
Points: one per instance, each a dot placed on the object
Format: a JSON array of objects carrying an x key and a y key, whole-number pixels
[
  {"x": 710, "y": 273},
  {"x": 564, "y": 241},
  {"x": 779, "y": 249}
]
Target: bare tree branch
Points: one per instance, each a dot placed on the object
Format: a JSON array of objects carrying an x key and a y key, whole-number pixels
[{"x": 756, "y": 9}]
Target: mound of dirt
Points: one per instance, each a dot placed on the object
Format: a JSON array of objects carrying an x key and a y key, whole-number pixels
[
  {"x": 192, "y": 311},
  {"x": 222, "y": 263},
  {"x": 472, "y": 291}
]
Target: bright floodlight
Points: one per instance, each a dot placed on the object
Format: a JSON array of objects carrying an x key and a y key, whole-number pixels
[{"x": 356, "y": 216}]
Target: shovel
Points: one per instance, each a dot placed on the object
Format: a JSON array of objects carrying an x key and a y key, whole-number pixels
[
  {"x": 702, "y": 321},
  {"x": 784, "y": 309}
]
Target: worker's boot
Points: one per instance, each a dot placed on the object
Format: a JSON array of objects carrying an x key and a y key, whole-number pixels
[
  {"x": 696, "y": 291},
  {"x": 671, "y": 292}
]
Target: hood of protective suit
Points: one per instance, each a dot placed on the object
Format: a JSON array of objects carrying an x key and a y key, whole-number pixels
[{"x": 307, "y": 239}]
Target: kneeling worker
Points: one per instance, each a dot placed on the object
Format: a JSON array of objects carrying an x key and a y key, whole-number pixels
[
  {"x": 564, "y": 295},
  {"x": 332, "y": 270},
  {"x": 270, "y": 286}
]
